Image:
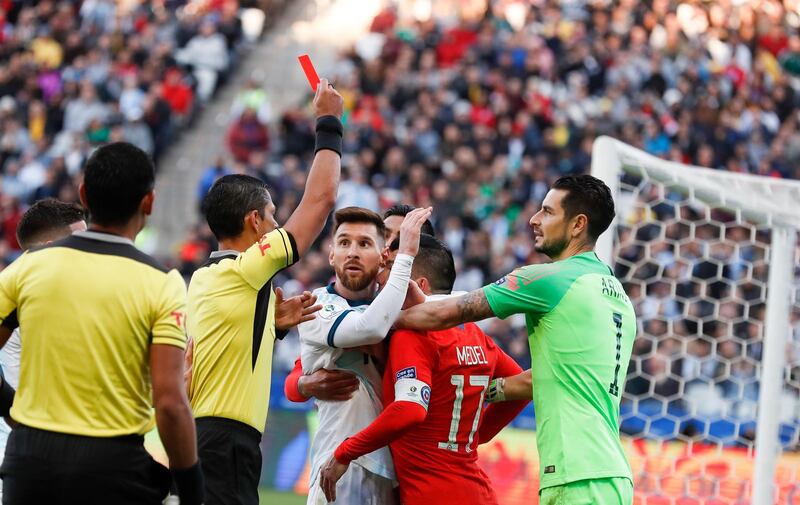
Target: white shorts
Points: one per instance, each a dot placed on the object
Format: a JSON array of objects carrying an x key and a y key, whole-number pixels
[{"x": 356, "y": 487}]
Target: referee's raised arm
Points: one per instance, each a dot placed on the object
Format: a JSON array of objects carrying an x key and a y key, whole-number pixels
[{"x": 319, "y": 197}]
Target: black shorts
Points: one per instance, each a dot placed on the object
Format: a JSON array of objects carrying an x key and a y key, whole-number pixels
[
  {"x": 230, "y": 454},
  {"x": 48, "y": 468}
]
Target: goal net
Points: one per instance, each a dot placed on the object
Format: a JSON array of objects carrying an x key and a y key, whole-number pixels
[{"x": 712, "y": 401}]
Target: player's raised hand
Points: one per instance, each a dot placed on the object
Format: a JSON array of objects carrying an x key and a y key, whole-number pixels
[
  {"x": 410, "y": 230},
  {"x": 295, "y": 310},
  {"x": 329, "y": 385},
  {"x": 327, "y": 101},
  {"x": 329, "y": 475}
]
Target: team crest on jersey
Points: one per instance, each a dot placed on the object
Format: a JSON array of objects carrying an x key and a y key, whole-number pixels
[
  {"x": 407, "y": 373},
  {"x": 426, "y": 395},
  {"x": 328, "y": 311}
]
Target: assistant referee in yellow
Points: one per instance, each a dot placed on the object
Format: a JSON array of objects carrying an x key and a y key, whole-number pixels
[
  {"x": 231, "y": 308},
  {"x": 104, "y": 341}
]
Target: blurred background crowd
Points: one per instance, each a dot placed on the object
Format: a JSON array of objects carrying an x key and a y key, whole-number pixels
[
  {"x": 474, "y": 114},
  {"x": 75, "y": 74}
]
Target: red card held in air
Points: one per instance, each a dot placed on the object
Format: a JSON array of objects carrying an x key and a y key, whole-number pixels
[{"x": 311, "y": 73}]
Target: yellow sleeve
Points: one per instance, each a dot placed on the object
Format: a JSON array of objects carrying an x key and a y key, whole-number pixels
[
  {"x": 272, "y": 253},
  {"x": 169, "y": 326},
  {"x": 9, "y": 294}
]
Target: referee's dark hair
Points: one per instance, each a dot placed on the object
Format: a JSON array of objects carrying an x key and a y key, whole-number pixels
[
  {"x": 232, "y": 198},
  {"x": 589, "y": 196},
  {"x": 47, "y": 219},
  {"x": 402, "y": 210},
  {"x": 117, "y": 177},
  {"x": 434, "y": 261}
]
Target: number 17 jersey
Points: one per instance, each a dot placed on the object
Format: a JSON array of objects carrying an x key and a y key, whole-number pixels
[{"x": 447, "y": 372}]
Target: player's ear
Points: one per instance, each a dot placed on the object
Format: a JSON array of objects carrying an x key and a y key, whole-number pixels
[
  {"x": 424, "y": 285},
  {"x": 580, "y": 225},
  {"x": 251, "y": 221},
  {"x": 146, "y": 204},
  {"x": 384, "y": 256},
  {"x": 82, "y": 195},
  {"x": 330, "y": 254}
]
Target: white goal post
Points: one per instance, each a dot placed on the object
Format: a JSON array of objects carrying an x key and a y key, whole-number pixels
[{"x": 773, "y": 207}]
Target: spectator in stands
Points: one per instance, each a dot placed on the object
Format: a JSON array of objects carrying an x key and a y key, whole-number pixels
[
  {"x": 177, "y": 93},
  {"x": 210, "y": 176},
  {"x": 254, "y": 97},
  {"x": 247, "y": 135},
  {"x": 80, "y": 111},
  {"x": 207, "y": 53},
  {"x": 355, "y": 192}
]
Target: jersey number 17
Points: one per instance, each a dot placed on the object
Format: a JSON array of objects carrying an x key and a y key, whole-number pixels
[{"x": 481, "y": 381}]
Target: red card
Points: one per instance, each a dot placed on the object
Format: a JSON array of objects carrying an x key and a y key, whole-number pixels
[{"x": 308, "y": 68}]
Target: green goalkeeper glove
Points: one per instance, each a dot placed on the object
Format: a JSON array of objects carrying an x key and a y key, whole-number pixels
[{"x": 495, "y": 391}]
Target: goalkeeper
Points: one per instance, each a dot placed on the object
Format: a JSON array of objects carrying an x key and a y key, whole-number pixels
[{"x": 581, "y": 328}]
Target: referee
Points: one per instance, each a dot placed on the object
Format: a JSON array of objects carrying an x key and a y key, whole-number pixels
[
  {"x": 45, "y": 221},
  {"x": 103, "y": 322},
  {"x": 231, "y": 308}
]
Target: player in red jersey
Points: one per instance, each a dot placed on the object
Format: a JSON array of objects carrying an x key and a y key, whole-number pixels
[{"x": 433, "y": 388}]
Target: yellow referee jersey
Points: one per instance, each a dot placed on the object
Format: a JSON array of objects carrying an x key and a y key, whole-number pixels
[
  {"x": 91, "y": 305},
  {"x": 231, "y": 317}
]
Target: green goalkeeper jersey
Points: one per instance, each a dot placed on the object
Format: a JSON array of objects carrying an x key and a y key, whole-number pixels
[{"x": 581, "y": 327}]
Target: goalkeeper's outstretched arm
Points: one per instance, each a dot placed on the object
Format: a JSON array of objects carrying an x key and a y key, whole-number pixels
[
  {"x": 446, "y": 313},
  {"x": 516, "y": 387}
]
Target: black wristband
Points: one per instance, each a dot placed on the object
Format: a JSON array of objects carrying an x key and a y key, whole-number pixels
[
  {"x": 329, "y": 134},
  {"x": 6, "y": 398},
  {"x": 190, "y": 484}
]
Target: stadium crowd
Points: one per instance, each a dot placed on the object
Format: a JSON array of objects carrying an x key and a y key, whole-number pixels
[
  {"x": 474, "y": 117},
  {"x": 477, "y": 118},
  {"x": 74, "y": 75}
]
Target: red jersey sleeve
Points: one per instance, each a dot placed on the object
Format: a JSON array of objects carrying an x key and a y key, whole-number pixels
[
  {"x": 411, "y": 356},
  {"x": 393, "y": 422},
  {"x": 410, "y": 367},
  {"x": 290, "y": 385},
  {"x": 497, "y": 415}
]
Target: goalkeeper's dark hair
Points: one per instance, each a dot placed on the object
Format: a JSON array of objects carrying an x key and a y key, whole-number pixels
[
  {"x": 434, "y": 261},
  {"x": 589, "y": 196},
  {"x": 402, "y": 210},
  {"x": 47, "y": 219},
  {"x": 232, "y": 198}
]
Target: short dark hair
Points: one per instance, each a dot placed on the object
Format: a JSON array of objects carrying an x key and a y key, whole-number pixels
[
  {"x": 434, "y": 261},
  {"x": 358, "y": 215},
  {"x": 230, "y": 199},
  {"x": 46, "y": 218},
  {"x": 402, "y": 210},
  {"x": 116, "y": 178},
  {"x": 590, "y": 196}
]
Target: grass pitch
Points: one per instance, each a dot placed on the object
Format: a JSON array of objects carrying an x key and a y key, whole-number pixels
[{"x": 270, "y": 497}]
